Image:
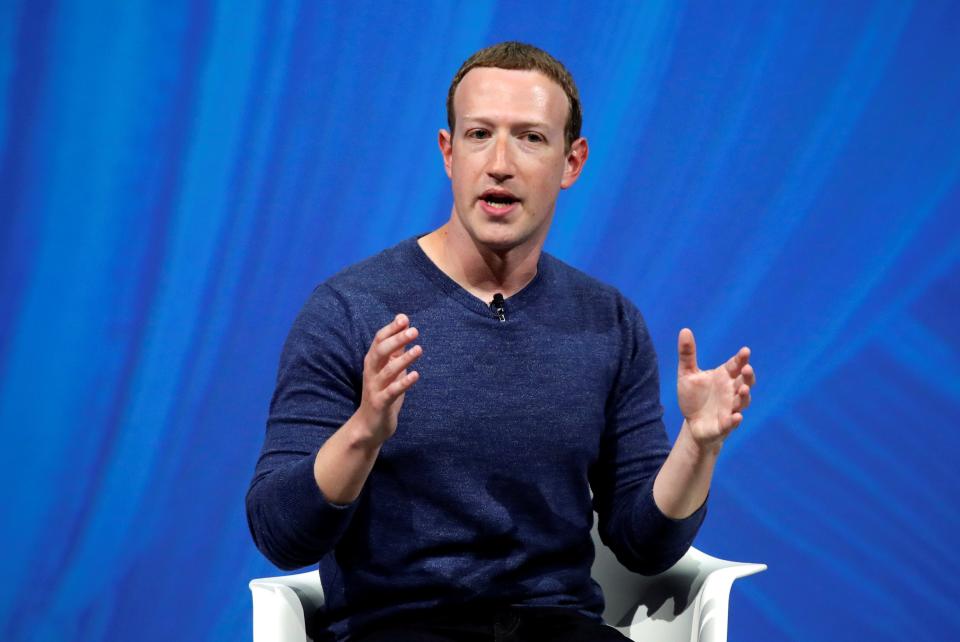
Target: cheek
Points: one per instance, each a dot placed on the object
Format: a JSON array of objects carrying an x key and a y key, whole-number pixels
[
  {"x": 550, "y": 168},
  {"x": 461, "y": 170},
  {"x": 456, "y": 174},
  {"x": 549, "y": 177}
]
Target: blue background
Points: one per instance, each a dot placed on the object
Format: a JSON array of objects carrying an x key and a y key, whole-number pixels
[{"x": 175, "y": 177}]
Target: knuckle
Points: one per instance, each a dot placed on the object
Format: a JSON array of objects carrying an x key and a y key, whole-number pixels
[{"x": 391, "y": 371}]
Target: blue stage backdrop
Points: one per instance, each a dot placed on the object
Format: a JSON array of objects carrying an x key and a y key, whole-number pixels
[{"x": 175, "y": 177}]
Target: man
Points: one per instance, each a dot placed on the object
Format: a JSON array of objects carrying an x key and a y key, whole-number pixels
[{"x": 453, "y": 502}]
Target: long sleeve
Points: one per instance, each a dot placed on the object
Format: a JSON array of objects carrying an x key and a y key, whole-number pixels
[
  {"x": 317, "y": 390},
  {"x": 633, "y": 449},
  {"x": 480, "y": 495}
]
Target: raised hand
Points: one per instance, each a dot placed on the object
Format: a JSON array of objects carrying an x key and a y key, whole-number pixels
[
  {"x": 385, "y": 378},
  {"x": 712, "y": 401}
]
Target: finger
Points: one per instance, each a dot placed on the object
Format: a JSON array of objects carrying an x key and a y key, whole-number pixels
[
  {"x": 733, "y": 421},
  {"x": 743, "y": 398},
  {"x": 749, "y": 375},
  {"x": 399, "y": 322},
  {"x": 395, "y": 366},
  {"x": 390, "y": 345},
  {"x": 737, "y": 362},
  {"x": 398, "y": 387},
  {"x": 687, "y": 349}
]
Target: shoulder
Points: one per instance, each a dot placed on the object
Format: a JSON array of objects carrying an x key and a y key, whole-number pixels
[
  {"x": 384, "y": 266},
  {"x": 589, "y": 294},
  {"x": 367, "y": 294},
  {"x": 371, "y": 276}
]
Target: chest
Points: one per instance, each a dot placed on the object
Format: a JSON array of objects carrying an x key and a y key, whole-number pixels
[{"x": 491, "y": 392}]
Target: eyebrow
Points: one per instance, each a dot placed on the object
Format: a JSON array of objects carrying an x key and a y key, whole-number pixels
[{"x": 527, "y": 124}]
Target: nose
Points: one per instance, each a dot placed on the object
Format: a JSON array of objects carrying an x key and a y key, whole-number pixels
[{"x": 501, "y": 165}]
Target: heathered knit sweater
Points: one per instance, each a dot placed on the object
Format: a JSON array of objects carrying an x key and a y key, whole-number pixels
[{"x": 483, "y": 495}]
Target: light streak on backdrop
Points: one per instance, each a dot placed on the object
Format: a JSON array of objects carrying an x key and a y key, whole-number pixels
[{"x": 176, "y": 177}]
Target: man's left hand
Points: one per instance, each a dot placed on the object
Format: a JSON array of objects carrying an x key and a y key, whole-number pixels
[{"x": 712, "y": 401}]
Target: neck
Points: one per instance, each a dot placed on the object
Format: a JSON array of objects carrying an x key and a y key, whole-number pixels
[{"x": 478, "y": 269}]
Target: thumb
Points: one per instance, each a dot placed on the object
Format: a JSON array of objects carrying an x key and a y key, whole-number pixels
[{"x": 687, "y": 349}]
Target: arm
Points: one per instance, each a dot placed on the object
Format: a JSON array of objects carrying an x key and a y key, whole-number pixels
[
  {"x": 633, "y": 450},
  {"x": 344, "y": 462},
  {"x": 327, "y": 421},
  {"x": 712, "y": 403}
]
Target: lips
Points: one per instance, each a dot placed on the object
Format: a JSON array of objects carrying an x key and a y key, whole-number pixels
[{"x": 498, "y": 201}]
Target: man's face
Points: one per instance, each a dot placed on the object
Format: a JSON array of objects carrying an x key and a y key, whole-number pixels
[{"x": 506, "y": 158}]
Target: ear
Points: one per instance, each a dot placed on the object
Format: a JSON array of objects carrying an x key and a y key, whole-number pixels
[
  {"x": 445, "y": 140},
  {"x": 576, "y": 158}
]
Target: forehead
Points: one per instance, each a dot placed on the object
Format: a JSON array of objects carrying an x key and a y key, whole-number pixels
[{"x": 490, "y": 93}]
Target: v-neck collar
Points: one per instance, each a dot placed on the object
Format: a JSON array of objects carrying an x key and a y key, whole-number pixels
[{"x": 513, "y": 304}]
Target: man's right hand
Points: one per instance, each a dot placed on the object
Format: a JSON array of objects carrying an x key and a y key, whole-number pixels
[
  {"x": 345, "y": 460},
  {"x": 385, "y": 380}
]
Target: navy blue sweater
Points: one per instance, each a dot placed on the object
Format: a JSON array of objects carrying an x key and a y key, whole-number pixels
[{"x": 483, "y": 495}]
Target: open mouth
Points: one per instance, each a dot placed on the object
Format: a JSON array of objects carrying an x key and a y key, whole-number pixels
[{"x": 499, "y": 200}]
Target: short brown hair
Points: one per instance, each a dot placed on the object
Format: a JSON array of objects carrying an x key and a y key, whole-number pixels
[{"x": 524, "y": 57}]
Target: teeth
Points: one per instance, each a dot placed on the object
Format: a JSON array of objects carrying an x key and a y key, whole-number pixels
[{"x": 496, "y": 204}]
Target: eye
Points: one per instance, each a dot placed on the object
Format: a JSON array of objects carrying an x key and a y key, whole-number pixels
[
  {"x": 533, "y": 137},
  {"x": 478, "y": 134}
]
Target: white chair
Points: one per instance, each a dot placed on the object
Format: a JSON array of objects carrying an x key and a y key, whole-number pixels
[{"x": 686, "y": 603}]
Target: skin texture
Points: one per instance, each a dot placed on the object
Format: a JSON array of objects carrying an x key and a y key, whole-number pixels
[
  {"x": 509, "y": 138},
  {"x": 345, "y": 460},
  {"x": 712, "y": 403}
]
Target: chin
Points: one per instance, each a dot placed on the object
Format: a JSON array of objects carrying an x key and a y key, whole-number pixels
[
  {"x": 500, "y": 236},
  {"x": 498, "y": 242}
]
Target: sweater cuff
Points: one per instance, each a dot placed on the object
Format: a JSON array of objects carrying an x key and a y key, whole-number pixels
[
  {"x": 325, "y": 516},
  {"x": 676, "y": 534}
]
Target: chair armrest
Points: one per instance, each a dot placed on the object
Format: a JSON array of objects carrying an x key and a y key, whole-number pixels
[
  {"x": 688, "y": 602},
  {"x": 279, "y": 604},
  {"x": 713, "y": 601}
]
